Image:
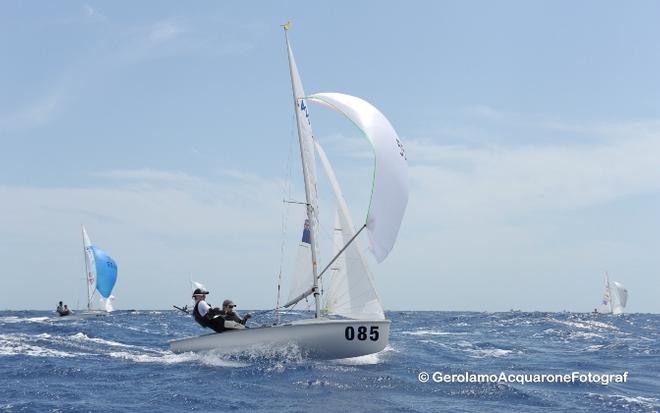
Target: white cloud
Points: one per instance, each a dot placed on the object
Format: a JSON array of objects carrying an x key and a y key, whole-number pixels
[
  {"x": 35, "y": 114},
  {"x": 92, "y": 13},
  {"x": 501, "y": 181},
  {"x": 165, "y": 30}
]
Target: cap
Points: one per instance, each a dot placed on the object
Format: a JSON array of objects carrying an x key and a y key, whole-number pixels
[
  {"x": 199, "y": 291},
  {"x": 228, "y": 302}
]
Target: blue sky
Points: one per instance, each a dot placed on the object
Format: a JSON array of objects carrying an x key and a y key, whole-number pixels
[{"x": 532, "y": 131}]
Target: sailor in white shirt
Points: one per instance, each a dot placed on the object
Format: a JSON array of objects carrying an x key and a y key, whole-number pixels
[{"x": 204, "y": 314}]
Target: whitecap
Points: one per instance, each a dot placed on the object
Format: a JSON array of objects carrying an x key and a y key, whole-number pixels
[
  {"x": 19, "y": 344},
  {"x": 368, "y": 359},
  {"x": 82, "y": 337},
  {"x": 586, "y": 325},
  {"x": 593, "y": 348},
  {"x": 429, "y": 333},
  {"x": 579, "y": 334},
  {"x": 492, "y": 352},
  {"x": 167, "y": 357},
  {"x": 15, "y": 320},
  {"x": 627, "y": 402}
]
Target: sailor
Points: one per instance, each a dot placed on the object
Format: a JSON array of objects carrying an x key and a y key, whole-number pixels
[
  {"x": 63, "y": 310},
  {"x": 204, "y": 314},
  {"x": 230, "y": 315}
]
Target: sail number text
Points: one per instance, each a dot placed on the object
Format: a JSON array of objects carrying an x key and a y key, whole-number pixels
[
  {"x": 303, "y": 108},
  {"x": 373, "y": 335}
]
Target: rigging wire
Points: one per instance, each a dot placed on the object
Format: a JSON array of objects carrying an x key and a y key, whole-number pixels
[{"x": 285, "y": 215}]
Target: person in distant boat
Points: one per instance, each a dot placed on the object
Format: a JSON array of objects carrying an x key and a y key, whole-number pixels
[
  {"x": 204, "y": 314},
  {"x": 230, "y": 315},
  {"x": 595, "y": 311},
  {"x": 63, "y": 310}
]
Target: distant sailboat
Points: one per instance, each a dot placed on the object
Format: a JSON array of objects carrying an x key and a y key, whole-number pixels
[
  {"x": 351, "y": 292},
  {"x": 100, "y": 274},
  {"x": 615, "y": 298}
]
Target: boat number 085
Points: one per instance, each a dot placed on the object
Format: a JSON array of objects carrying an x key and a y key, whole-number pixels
[{"x": 361, "y": 333}]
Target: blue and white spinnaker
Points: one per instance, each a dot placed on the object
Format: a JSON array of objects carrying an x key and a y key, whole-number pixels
[{"x": 101, "y": 273}]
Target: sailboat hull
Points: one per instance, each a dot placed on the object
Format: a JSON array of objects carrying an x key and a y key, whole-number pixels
[
  {"x": 81, "y": 315},
  {"x": 316, "y": 338}
]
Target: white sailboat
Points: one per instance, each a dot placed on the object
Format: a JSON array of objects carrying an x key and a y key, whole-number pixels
[
  {"x": 351, "y": 292},
  {"x": 615, "y": 298}
]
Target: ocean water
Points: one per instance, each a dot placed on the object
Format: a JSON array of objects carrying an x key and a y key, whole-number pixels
[{"x": 121, "y": 363}]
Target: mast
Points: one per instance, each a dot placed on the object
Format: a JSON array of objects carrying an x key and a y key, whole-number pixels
[
  {"x": 86, "y": 266},
  {"x": 299, "y": 105}
]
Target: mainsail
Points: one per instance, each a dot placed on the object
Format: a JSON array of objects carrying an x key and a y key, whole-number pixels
[
  {"x": 301, "y": 279},
  {"x": 90, "y": 267},
  {"x": 306, "y": 140},
  {"x": 101, "y": 272}
]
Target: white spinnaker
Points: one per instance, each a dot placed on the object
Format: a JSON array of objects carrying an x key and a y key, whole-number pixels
[
  {"x": 306, "y": 140},
  {"x": 90, "y": 267},
  {"x": 351, "y": 292},
  {"x": 621, "y": 298},
  {"x": 623, "y": 294},
  {"x": 389, "y": 195}
]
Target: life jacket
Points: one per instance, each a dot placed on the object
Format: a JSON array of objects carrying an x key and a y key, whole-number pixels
[{"x": 201, "y": 320}]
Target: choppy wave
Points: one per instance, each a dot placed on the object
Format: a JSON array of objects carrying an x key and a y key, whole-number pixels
[
  {"x": 31, "y": 346},
  {"x": 131, "y": 350},
  {"x": 430, "y": 333},
  {"x": 622, "y": 402}
]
